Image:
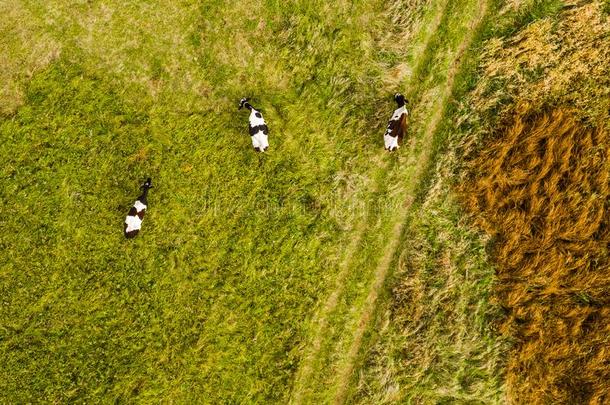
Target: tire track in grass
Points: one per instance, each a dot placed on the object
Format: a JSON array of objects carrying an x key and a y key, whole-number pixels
[
  {"x": 383, "y": 266},
  {"x": 321, "y": 321}
]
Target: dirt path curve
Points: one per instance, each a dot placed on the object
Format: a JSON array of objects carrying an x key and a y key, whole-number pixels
[
  {"x": 321, "y": 321},
  {"x": 383, "y": 266}
]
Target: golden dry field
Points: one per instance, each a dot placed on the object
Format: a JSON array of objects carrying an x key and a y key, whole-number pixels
[{"x": 539, "y": 186}]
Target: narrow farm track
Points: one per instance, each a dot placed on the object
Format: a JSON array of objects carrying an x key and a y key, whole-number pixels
[
  {"x": 412, "y": 169},
  {"x": 321, "y": 321},
  {"x": 382, "y": 269}
]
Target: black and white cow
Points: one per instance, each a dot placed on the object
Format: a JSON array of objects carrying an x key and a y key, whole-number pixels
[
  {"x": 397, "y": 126},
  {"x": 258, "y": 127},
  {"x": 133, "y": 222}
]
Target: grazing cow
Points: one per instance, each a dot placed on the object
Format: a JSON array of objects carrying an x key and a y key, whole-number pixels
[
  {"x": 133, "y": 222},
  {"x": 258, "y": 127},
  {"x": 397, "y": 126}
]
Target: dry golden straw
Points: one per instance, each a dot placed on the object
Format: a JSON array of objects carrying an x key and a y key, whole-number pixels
[{"x": 542, "y": 190}]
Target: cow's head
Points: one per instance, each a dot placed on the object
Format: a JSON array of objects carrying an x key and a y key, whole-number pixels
[
  {"x": 147, "y": 184},
  {"x": 400, "y": 99},
  {"x": 242, "y": 102}
]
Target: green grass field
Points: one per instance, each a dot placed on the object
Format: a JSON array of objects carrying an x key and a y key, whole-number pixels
[
  {"x": 256, "y": 278},
  {"x": 212, "y": 300}
]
